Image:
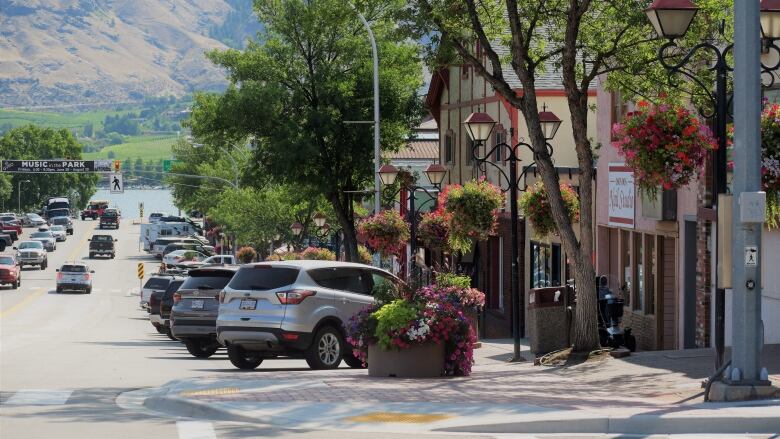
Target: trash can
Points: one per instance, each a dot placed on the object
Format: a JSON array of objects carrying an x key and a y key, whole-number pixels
[{"x": 549, "y": 321}]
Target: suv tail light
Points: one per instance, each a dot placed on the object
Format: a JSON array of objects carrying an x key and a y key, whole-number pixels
[
  {"x": 59, "y": 276},
  {"x": 86, "y": 277},
  {"x": 176, "y": 298},
  {"x": 221, "y": 297},
  {"x": 293, "y": 297}
]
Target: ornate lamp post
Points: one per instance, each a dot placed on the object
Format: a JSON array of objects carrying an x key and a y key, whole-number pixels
[
  {"x": 435, "y": 174},
  {"x": 671, "y": 19},
  {"x": 479, "y": 126}
]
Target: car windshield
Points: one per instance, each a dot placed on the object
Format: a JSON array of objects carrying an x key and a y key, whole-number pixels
[
  {"x": 6, "y": 260},
  {"x": 74, "y": 268},
  {"x": 58, "y": 228},
  {"x": 109, "y": 213},
  {"x": 58, "y": 212},
  {"x": 263, "y": 277},
  {"x": 41, "y": 235},
  {"x": 102, "y": 238},
  {"x": 30, "y": 244}
]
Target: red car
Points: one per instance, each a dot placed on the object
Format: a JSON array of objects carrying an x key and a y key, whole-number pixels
[
  {"x": 10, "y": 272},
  {"x": 12, "y": 229}
]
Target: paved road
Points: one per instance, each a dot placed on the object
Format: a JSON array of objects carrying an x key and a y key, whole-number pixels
[{"x": 64, "y": 358}]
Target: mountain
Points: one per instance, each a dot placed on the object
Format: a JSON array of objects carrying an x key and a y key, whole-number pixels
[{"x": 66, "y": 52}]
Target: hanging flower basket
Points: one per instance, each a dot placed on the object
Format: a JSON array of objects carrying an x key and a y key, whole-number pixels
[
  {"x": 434, "y": 230},
  {"x": 535, "y": 206},
  {"x": 473, "y": 210},
  {"x": 663, "y": 144},
  {"x": 386, "y": 232}
]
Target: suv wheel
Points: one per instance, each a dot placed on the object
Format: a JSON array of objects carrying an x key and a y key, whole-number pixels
[
  {"x": 243, "y": 359},
  {"x": 201, "y": 348},
  {"x": 326, "y": 349}
]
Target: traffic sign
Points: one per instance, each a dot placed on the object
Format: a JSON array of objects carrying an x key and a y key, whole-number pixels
[
  {"x": 140, "y": 270},
  {"x": 116, "y": 183},
  {"x": 56, "y": 166}
]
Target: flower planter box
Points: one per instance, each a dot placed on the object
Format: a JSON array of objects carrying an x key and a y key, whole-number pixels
[{"x": 419, "y": 361}]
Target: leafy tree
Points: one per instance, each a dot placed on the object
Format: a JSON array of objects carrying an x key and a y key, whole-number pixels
[
  {"x": 89, "y": 130},
  {"x": 33, "y": 142},
  {"x": 581, "y": 39},
  {"x": 293, "y": 90}
]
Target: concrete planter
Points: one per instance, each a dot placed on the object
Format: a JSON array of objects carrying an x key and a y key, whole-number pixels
[{"x": 419, "y": 361}]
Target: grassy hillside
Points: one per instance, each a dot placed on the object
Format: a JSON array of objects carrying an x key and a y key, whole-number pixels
[
  {"x": 143, "y": 147},
  {"x": 15, "y": 118}
]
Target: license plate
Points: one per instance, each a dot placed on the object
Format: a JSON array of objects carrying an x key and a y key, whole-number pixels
[
  {"x": 248, "y": 304},
  {"x": 197, "y": 304}
]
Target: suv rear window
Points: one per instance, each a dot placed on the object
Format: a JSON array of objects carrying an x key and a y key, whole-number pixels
[
  {"x": 263, "y": 277},
  {"x": 157, "y": 283},
  {"x": 103, "y": 238},
  {"x": 74, "y": 269},
  {"x": 211, "y": 280}
]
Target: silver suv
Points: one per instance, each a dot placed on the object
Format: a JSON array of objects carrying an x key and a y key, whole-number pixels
[{"x": 294, "y": 309}]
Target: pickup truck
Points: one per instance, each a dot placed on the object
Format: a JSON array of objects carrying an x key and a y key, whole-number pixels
[
  {"x": 94, "y": 211},
  {"x": 102, "y": 245},
  {"x": 110, "y": 218}
]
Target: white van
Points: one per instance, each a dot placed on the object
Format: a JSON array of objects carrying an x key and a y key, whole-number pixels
[{"x": 151, "y": 232}]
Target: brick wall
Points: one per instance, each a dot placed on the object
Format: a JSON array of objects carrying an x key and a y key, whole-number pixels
[{"x": 643, "y": 328}]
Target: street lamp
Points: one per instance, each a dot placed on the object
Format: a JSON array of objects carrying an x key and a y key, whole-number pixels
[
  {"x": 671, "y": 18},
  {"x": 19, "y": 193},
  {"x": 320, "y": 219},
  {"x": 296, "y": 228},
  {"x": 479, "y": 126},
  {"x": 770, "y": 19},
  {"x": 435, "y": 173}
]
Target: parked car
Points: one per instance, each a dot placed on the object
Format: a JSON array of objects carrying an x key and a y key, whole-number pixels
[
  {"x": 294, "y": 309},
  {"x": 63, "y": 221},
  {"x": 156, "y": 302},
  {"x": 10, "y": 218},
  {"x": 59, "y": 232},
  {"x": 5, "y": 241},
  {"x": 159, "y": 245},
  {"x": 74, "y": 276},
  {"x": 110, "y": 218},
  {"x": 11, "y": 230},
  {"x": 94, "y": 210},
  {"x": 205, "y": 249},
  {"x": 47, "y": 238},
  {"x": 220, "y": 259},
  {"x": 179, "y": 257},
  {"x": 32, "y": 220},
  {"x": 32, "y": 253},
  {"x": 10, "y": 271},
  {"x": 155, "y": 216},
  {"x": 153, "y": 284},
  {"x": 194, "y": 314},
  {"x": 102, "y": 245}
]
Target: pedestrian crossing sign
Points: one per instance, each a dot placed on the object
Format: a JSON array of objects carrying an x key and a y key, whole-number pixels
[{"x": 116, "y": 184}]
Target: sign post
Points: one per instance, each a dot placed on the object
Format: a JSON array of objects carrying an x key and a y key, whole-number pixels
[{"x": 140, "y": 278}]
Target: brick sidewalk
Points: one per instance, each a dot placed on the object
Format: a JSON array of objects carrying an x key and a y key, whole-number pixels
[{"x": 647, "y": 380}]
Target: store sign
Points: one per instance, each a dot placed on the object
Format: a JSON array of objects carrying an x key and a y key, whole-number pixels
[
  {"x": 622, "y": 195},
  {"x": 56, "y": 166}
]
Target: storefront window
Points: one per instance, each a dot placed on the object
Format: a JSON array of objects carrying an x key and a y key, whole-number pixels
[
  {"x": 625, "y": 257},
  {"x": 541, "y": 272},
  {"x": 639, "y": 292},
  {"x": 651, "y": 266}
]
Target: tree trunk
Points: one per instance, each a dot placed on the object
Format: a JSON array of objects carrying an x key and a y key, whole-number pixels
[{"x": 347, "y": 223}]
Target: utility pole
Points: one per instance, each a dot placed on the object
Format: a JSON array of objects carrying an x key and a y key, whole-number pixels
[{"x": 749, "y": 209}]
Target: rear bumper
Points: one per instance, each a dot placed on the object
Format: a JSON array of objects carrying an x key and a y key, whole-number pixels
[
  {"x": 263, "y": 339},
  {"x": 186, "y": 328},
  {"x": 73, "y": 286}
]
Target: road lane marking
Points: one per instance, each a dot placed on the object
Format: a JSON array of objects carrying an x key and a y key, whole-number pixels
[
  {"x": 195, "y": 430},
  {"x": 39, "y": 397},
  {"x": 39, "y": 292}
]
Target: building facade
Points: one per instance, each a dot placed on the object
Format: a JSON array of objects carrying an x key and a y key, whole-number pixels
[{"x": 455, "y": 93}]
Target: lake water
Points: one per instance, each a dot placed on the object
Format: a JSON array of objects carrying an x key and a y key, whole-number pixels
[{"x": 155, "y": 200}]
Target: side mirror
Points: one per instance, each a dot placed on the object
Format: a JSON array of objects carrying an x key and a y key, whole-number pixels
[
  {"x": 116, "y": 240},
  {"x": 14, "y": 248},
  {"x": 91, "y": 271},
  {"x": 90, "y": 239},
  {"x": 57, "y": 270}
]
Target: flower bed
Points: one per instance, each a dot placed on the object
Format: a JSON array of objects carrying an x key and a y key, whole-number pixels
[
  {"x": 473, "y": 212},
  {"x": 535, "y": 206},
  {"x": 663, "y": 144},
  {"x": 386, "y": 232},
  {"x": 432, "y": 314}
]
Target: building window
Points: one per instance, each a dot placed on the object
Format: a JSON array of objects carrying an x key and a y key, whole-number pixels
[
  {"x": 651, "y": 268},
  {"x": 625, "y": 265},
  {"x": 498, "y": 138},
  {"x": 541, "y": 266},
  {"x": 618, "y": 109},
  {"x": 639, "y": 273},
  {"x": 448, "y": 139}
]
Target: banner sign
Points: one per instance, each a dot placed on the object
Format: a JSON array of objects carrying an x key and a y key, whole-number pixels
[
  {"x": 622, "y": 195},
  {"x": 56, "y": 166}
]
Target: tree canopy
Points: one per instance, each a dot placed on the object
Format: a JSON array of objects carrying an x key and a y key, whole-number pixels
[{"x": 295, "y": 89}]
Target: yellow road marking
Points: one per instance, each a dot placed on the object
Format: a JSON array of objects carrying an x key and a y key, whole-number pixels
[
  {"x": 39, "y": 292},
  {"x": 401, "y": 418},
  {"x": 211, "y": 392}
]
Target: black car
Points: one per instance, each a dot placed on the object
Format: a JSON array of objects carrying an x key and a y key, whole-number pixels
[
  {"x": 63, "y": 221},
  {"x": 162, "y": 304},
  {"x": 109, "y": 218},
  {"x": 102, "y": 245},
  {"x": 194, "y": 314}
]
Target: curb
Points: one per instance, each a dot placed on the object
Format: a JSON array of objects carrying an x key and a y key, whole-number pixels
[{"x": 542, "y": 423}]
